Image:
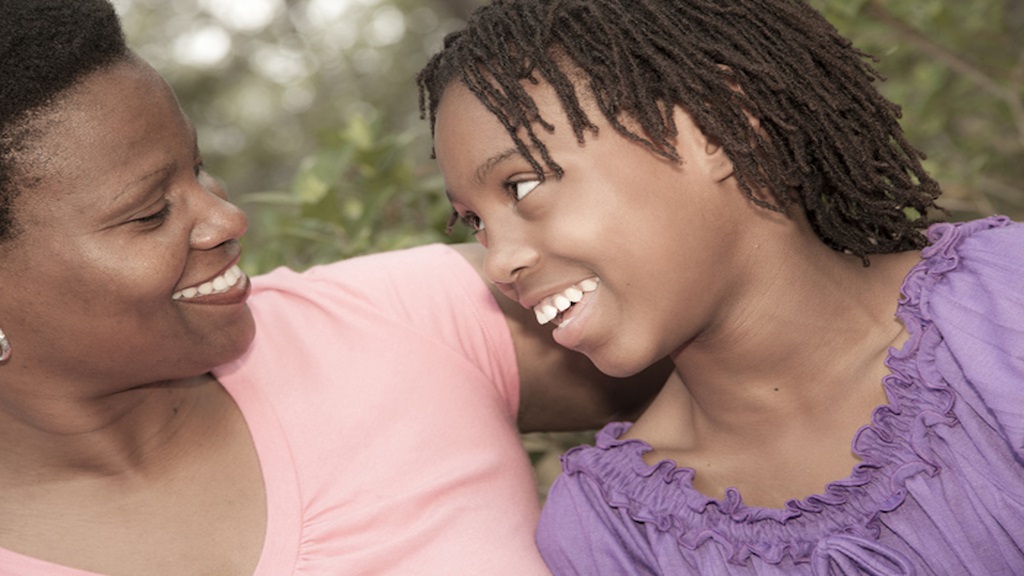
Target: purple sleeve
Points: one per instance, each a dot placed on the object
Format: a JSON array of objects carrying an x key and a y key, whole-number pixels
[
  {"x": 579, "y": 534},
  {"x": 979, "y": 308}
]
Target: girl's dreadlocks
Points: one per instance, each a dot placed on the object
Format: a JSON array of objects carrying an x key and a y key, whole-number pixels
[{"x": 825, "y": 137}]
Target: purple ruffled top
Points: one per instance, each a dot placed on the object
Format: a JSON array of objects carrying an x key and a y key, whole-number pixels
[{"x": 940, "y": 486}]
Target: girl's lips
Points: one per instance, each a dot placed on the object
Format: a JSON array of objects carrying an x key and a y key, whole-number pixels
[
  {"x": 572, "y": 324},
  {"x": 556, "y": 305}
]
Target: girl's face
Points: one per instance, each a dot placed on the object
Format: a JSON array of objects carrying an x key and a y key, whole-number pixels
[
  {"x": 646, "y": 251},
  {"x": 124, "y": 270}
]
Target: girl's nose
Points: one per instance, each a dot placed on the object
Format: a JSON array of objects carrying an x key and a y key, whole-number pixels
[{"x": 509, "y": 254}]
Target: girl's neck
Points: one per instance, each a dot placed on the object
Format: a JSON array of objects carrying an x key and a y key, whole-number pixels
[
  {"x": 810, "y": 339},
  {"x": 770, "y": 402}
]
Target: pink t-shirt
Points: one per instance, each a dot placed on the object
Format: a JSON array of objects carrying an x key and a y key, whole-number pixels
[{"x": 381, "y": 394}]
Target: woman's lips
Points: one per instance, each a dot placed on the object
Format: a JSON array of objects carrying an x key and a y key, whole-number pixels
[{"x": 227, "y": 280}]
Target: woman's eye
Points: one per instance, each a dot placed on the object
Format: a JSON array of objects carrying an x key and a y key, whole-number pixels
[
  {"x": 522, "y": 188},
  {"x": 156, "y": 216}
]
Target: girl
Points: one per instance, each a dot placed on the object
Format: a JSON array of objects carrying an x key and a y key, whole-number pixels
[{"x": 721, "y": 183}]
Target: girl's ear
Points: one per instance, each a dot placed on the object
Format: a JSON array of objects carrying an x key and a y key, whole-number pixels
[
  {"x": 719, "y": 166},
  {"x": 697, "y": 149}
]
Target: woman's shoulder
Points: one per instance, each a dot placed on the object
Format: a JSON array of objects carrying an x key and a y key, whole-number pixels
[
  {"x": 369, "y": 271},
  {"x": 425, "y": 287}
]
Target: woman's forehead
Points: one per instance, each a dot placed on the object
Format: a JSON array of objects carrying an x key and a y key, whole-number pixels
[
  {"x": 107, "y": 134},
  {"x": 109, "y": 109}
]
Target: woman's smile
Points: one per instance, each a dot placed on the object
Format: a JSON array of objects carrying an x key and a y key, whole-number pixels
[
  {"x": 232, "y": 282},
  {"x": 134, "y": 258}
]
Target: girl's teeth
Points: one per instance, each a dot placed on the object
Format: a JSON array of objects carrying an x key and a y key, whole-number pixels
[
  {"x": 542, "y": 318},
  {"x": 562, "y": 303},
  {"x": 559, "y": 303},
  {"x": 545, "y": 313}
]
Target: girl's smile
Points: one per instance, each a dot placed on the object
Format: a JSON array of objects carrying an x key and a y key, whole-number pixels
[{"x": 556, "y": 307}]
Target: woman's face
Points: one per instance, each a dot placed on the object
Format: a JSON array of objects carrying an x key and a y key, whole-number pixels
[
  {"x": 642, "y": 245},
  {"x": 120, "y": 229}
]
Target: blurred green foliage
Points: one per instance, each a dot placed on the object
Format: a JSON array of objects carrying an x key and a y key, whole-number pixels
[
  {"x": 359, "y": 192},
  {"x": 957, "y": 69}
]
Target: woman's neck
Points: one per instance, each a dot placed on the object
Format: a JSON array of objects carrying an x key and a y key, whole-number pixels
[{"x": 109, "y": 434}]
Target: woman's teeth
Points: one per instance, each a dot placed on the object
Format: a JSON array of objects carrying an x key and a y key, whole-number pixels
[
  {"x": 552, "y": 306},
  {"x": 221, "y": 283}
]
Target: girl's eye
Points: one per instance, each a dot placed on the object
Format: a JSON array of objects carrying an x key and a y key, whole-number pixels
[
  {"x": 473, "y": 221},
  {"x": 522, "y": 188}
]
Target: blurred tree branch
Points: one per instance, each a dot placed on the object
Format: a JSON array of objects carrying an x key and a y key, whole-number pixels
[{"x": 1011, "y": 95}]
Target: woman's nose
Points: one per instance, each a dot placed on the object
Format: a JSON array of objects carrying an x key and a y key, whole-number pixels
[{"x": 217, "y": 219}]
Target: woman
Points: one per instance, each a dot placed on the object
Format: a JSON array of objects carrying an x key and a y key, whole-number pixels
[
  {"x": 720, "y": 182},
  {"x": 161, "y": 413}
]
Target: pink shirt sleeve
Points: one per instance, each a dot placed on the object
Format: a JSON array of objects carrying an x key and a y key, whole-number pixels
[
  {"x": 386, "y": 389},
  {"x": 434, "y": 291}
]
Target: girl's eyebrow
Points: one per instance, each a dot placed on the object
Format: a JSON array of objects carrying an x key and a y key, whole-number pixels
[{"x": 485, "y": 168}]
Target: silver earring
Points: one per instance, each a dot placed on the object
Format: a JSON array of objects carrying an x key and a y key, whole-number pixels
[{"x": 5, "y": 347}]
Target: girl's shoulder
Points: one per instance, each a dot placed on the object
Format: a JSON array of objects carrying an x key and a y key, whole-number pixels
[{"x": 964, "y": 306}]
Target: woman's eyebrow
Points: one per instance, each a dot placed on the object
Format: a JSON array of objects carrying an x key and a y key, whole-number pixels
[{"x": 137, "y": 185}]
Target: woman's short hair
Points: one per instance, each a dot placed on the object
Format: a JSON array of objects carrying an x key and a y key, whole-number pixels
[{"x": 46, "y": 47}]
